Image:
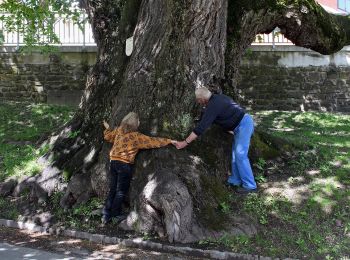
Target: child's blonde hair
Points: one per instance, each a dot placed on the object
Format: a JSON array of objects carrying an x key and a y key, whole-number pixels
[{"x": 130, "y": 123}]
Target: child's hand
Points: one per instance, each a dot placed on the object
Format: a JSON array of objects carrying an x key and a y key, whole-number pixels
[{"x": 105, "y": 124}]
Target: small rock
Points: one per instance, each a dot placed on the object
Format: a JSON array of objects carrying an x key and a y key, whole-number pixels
[
  {"x": 97, "y": 238},
  {"x": 45, "y": 219},
  {"x": 110, "y": 240}
]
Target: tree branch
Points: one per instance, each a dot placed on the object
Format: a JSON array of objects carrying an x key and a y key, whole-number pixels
[
  {"x": 304, "y": 22},
  {"x": 312, "y": 27}
]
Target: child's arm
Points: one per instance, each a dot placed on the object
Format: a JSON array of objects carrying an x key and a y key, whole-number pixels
[
  {"x": 109, "y": 134},
  {"x": 147, "y": 142}
]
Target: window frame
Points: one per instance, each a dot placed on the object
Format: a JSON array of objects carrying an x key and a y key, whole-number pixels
[{"x": 346, "y": 3}]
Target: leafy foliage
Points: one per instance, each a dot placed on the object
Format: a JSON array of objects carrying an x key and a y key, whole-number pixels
[
  {"x": 82, "y": 217},
  {"x": 35, "y": 20}
]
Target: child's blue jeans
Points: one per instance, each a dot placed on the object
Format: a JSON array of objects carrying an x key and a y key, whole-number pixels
[
  {"x": 242, "y": 173},
  {"x": 121, "y": 174}
]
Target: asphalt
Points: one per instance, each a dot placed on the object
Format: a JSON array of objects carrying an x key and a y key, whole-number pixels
[
  {"x": 75, "y": 244},
  {"x": 15, "y": 252}
]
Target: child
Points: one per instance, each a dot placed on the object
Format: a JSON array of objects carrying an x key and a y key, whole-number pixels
[{"x": 127, "y": 141}]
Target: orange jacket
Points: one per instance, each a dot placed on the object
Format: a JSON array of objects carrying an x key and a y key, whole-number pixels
[{"x": 126, "y": 146}]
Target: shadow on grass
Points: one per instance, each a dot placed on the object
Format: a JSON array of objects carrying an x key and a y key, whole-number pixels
[
  {"x": 304, "y": 201},
  {"x": 302, "y": 208},
  {"x": 21, "y": 126}
]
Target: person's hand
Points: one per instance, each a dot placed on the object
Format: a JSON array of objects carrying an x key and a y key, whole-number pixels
[
  {"x": 174, "y": 142},
  {"x": 181, "y": 145},
  {"x": 105, "y": 124}
]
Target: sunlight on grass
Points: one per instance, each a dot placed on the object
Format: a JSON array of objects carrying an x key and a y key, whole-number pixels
[
  {"x": 325, "y": 120},
  {"x": 326, "y": 185},
  {"x": 29, "y": 168},
  {"x": 326, "y": 204},
  {"x": 306, "y": 208},
  {"x": 21, "y": 125},
  {"x": 302, "y": 209}
]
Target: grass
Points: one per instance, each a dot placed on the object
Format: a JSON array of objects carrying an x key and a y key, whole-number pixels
[
  {"x": 11, "y": 211},
  {"x": 21, "y": 125},
  {"x": 302, "y": 209},
  {"x": 81, "y": 217}
]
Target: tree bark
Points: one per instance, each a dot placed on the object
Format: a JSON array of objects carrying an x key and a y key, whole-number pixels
[
  {"x": 178, "y": 45},
  {"x": 304, "y": 22}
]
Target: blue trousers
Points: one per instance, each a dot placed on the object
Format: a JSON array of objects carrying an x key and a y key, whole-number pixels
[
  {"x": 242, "y": 174},
  {"x": 121, "y": 174}
]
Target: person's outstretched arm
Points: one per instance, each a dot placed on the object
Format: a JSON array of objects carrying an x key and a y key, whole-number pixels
[
  {"x": 108, "y": 133},
  {"x": 147, "y": 142},
  {"x": 189, "y": 139}
]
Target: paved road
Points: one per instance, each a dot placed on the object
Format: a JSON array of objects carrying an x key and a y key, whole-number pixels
[
  {"x": 12, "y": 252},
  {"x": 18, "y": 244}
]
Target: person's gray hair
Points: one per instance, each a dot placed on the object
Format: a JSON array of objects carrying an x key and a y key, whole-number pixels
[{"x": 203, "y": 92}]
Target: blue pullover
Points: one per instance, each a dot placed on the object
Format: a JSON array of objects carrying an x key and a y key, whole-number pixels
[{"x": 220, "y": 110}]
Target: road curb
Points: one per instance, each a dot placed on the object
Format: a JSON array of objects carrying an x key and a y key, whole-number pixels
[{"x": 135, "y": 242}]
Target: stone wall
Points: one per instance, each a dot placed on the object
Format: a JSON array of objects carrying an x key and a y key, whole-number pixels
[
  {"x": 50, "y": 78},
  {"x": 291, "y": 78},
  {"x": 283, "y": 78}
]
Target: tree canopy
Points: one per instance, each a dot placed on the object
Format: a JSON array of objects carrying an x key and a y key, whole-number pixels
[{"x": 35, "y": 20}]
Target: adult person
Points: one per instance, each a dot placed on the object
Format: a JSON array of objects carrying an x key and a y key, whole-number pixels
[{"x": 223, "y": 111}]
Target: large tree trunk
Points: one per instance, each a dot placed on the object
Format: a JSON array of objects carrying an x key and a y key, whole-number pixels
[{"x": 178, "y": 45}]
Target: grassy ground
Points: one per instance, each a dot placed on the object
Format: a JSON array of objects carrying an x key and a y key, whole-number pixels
[
  {"x": 21, "y": 126},
  {"x": 302, "y": 209}
]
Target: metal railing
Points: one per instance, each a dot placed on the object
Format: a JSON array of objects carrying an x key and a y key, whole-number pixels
[
  {"x": 69, "y": 34},
  {"x": 273, "y": 39}
]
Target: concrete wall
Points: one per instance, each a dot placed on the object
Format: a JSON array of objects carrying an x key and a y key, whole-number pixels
[
  {"x": 57, "y": 79},
  {"x": 293, "y": 78}
]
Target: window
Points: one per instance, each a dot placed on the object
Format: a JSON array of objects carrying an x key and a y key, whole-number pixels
[{"x": 344, "y": 5}]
